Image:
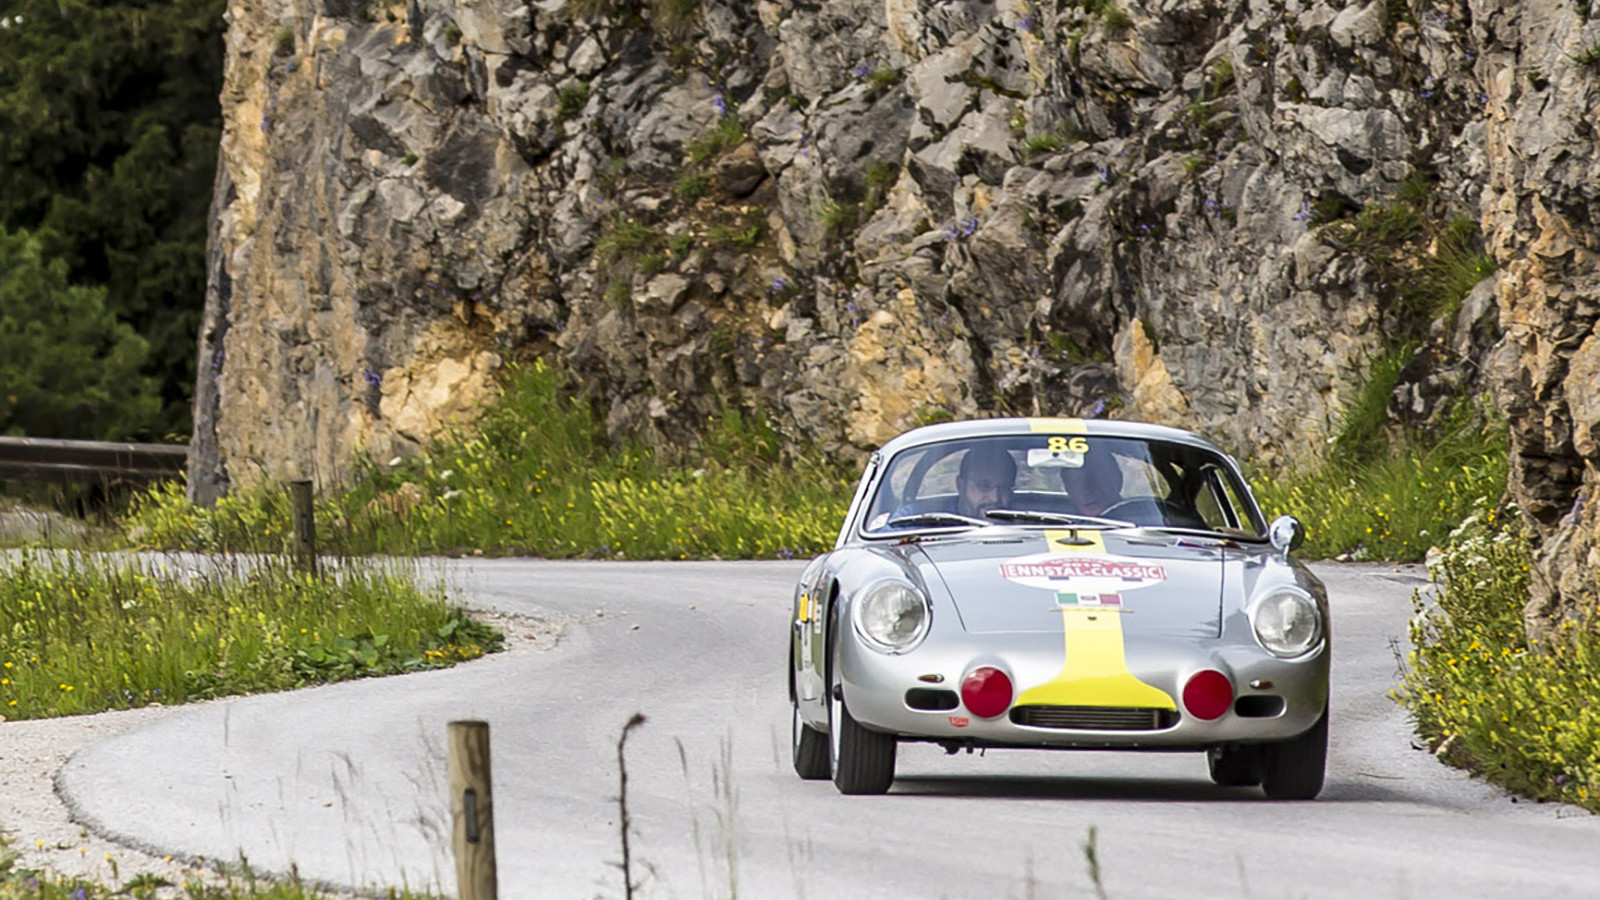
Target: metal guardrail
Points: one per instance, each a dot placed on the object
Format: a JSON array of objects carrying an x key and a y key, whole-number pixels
[{"x": 102, "y": 462}]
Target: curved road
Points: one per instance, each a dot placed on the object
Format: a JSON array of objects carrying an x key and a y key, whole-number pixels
[{"x": 346, "y": 782}]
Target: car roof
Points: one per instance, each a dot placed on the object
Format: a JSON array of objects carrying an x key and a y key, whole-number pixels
[{"x": 972, "y": 428}]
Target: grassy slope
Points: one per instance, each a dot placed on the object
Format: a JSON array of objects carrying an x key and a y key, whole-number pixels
[{"x": 539, "y": 479}]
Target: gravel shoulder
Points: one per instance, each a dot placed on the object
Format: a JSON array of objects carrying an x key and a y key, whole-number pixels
[{"x": 40, "y": 827}]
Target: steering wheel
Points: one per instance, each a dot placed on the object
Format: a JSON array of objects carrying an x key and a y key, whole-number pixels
[{"x": 1149, "y": 511}]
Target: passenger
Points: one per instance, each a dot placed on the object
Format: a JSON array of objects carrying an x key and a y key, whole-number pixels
[
  {"x": 1096, "y": 486},
  {"x": 987, "y": 477}
]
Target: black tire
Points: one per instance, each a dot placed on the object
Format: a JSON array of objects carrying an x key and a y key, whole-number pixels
[
  {"x": 1293, "y": 769},
  {"x": 862, "y": 760},
  {"x": 810, "y": 750},
  {"x": 1234, "y": 766}
]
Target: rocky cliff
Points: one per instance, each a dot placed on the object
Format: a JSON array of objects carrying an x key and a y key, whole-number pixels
[{"x": 859, "y": 215}]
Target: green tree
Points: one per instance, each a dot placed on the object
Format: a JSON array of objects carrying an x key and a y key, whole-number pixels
[
  {"x": 68, "y": 367},
  {"x": 109, "y": 128}
]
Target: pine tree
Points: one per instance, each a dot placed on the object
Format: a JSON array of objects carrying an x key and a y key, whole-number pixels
[
  {"x": 68, "y": 367},
  {"x": 109, "y": 127}
]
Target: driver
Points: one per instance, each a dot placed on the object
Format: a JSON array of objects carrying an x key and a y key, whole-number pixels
[
  {"x": 987, "y": 476},
  {"x": 1096, "y": 486}
]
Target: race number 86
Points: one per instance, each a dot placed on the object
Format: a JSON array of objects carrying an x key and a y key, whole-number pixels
[{"x": 1069, "y": 445}]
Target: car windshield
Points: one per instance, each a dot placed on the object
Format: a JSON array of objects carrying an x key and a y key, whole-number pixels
[{"x": 1062, "y": 479}]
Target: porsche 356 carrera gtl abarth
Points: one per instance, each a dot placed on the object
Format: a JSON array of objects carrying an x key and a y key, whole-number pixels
[{"x": 1066, "y": 584}]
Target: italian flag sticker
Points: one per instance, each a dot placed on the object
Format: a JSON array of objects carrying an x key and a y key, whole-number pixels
[{"x": 1067, "y": 598}]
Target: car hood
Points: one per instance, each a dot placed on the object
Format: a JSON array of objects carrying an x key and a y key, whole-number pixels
[{"x": 1164, "y": 585}]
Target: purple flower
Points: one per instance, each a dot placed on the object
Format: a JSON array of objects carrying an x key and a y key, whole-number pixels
[
  {"x": 1305, "y": 211},
  {"x": 1561, "y": 779},
  {"x": 1025, "y": 23},
  {"x": 1105, "y": 176},
  {"x": 1098, "y": 408},
  {"x": 373, "y": 378},
  {"x": 785, "y": 553},
  {"x": 721, "y": 104},
  {"x": 860, "y": 71}
]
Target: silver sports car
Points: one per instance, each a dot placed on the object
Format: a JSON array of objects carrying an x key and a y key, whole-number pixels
[{"x": 1060, "y": 584}]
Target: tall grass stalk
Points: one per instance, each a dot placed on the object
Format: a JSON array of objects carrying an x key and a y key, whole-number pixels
[
  {"x": 21, "y": 883},
  {"x": 539, "y": 478},
  {"x": 85, "y": 633}
]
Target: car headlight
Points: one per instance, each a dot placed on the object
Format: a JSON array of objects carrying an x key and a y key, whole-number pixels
[
  {"x": 1287, "y": 622},
  {"x": 892, "y": 616}
]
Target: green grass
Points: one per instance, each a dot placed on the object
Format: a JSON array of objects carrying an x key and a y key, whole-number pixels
[
  {"x": 743, "y": 233},
  {"x": 880, "y": 178},
  {"x": 1457, "y": 266},
  {"x": 727, "y": 133},
  {"x": 839, "y": 218},
  {"x": 572, "y": 99},
  {"x": 1361, "y": 436},
  {"x": 1041, "y": 143},
  {"x": 883, "y": 79},
  {"x": 693, "y": 185},
  {"x": 1481, "y": 697},
  {"x": 1114, "y": 18},
  {"x": 86, "y": 633},
  {"x": 624, "y": 239},
  {"x": 1391, "y": 498},
  {"x": 1379, "y": 226},
  {"x": 539, "y": 478},
  {"x": 1220, "y": 79}
]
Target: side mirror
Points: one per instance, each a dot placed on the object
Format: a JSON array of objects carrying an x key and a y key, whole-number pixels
[{"x": 1286, "y": 533}]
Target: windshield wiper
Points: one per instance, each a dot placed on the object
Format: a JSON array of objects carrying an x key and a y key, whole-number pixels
[
  {"x": 933, "y": 518},
  {"x": 1054, "y": 518},
  {"x": 1183, "y": 530}
]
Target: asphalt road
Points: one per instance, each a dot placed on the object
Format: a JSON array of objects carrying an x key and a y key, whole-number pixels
[{"x": 347, "y": 782}]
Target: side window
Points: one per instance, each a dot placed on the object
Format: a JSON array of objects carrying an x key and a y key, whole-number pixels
[
  {"x": 1239, "y": 509},
  {"x": 1211, "y": 505}
]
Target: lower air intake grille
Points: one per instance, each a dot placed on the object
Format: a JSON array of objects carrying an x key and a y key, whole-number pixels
[{"x": 1095, "y": 718}]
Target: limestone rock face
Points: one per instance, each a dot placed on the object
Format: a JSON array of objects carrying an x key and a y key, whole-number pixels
[
  {"x": 864, "y": 214},
  {"x": 1539, "y": 210}
]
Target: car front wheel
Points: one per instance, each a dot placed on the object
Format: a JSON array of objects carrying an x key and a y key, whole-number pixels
[
  {"x": 863, "y": 760},
  {"x": 810, "y": 750},
  {"x": 1293, "y": 769}
]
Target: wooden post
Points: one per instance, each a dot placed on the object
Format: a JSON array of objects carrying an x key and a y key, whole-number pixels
[
  {"x": 305, "y": 526},
  {"x": 472, "y": 810}
]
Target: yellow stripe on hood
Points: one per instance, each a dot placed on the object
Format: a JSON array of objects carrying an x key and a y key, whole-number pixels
[{"x": 1096, "y": 670}]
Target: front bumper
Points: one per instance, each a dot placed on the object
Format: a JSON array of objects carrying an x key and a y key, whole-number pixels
[{"x": 875, "y": 690}]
